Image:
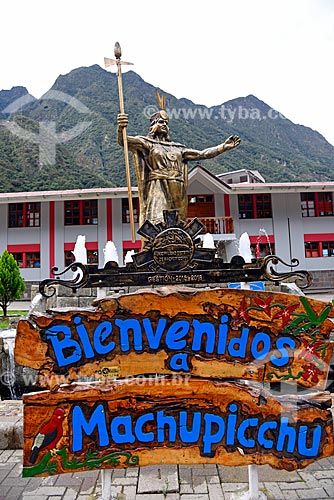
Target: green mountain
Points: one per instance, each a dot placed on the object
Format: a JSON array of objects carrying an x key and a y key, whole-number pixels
[{"x": 89, "y": 156}]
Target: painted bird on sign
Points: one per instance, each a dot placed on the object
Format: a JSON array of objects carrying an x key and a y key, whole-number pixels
[{"x": 49, "y": 435}]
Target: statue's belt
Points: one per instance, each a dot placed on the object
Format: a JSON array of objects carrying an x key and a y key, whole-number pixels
[{"x": 169, "y": 175}]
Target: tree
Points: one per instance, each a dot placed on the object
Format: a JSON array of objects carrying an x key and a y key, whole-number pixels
[{"x": 11, "y": 282}]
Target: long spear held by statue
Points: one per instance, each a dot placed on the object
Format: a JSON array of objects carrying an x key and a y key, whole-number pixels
[{"x": 109, "y": 62}]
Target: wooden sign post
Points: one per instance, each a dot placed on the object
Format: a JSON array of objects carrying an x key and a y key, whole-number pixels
[{"x": 159, "y": 359}]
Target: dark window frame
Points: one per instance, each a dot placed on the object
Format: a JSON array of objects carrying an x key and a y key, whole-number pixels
[
  {"x": 81, "y": 212},
  {"x": 27, "y": 260},
  {"x": 315, "y": 249},
  {"x": 314, "y": 204},
  {"x": 126, "y": 211},
  {"x": 255, "y": 206},
  {"x": 25, "y": 214}
]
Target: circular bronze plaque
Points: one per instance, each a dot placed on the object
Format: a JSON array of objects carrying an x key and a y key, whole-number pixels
[{"x": 173, "y": 249}]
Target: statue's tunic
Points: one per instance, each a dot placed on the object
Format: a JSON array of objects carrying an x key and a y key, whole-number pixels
[{"x": 162, "y": 174}]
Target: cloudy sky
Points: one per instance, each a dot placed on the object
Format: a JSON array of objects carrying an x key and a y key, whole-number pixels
[{"x": 281, "y": 51}]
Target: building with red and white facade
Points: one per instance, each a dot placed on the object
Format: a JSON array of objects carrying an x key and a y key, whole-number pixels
[{"x": 291, "y": 220}]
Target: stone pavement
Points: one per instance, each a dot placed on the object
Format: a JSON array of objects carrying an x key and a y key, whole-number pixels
[{"x": 166, "y": 482}]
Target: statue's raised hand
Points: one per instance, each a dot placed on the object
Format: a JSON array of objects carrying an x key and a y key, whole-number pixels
[
  {"x": 122, "y": 120},
  {"x": 232, "y": 142}
]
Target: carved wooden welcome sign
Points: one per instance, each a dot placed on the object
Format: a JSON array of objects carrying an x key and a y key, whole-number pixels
[
  {"x": 130, "y": 423},
  {"x": 170, "y": 352}
]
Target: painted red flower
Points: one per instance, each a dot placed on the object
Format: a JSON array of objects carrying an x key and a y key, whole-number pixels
[
  {"x": 285, "y": 314},
  {"x": 264, "y": 304},
  {"x": 309, "y": 351},
  {"x": 311, "y": 371},
  {"x": 242, "y": 315}
]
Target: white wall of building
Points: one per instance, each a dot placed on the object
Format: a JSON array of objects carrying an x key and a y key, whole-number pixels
[{"x": 287, "y": 225}]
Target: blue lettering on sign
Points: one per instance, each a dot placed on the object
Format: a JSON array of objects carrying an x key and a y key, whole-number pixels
[
  {"x": 84, "y": 337},
  {"x": 176, "y": 332},
  {"x": 286, "y": 436},
  {"x": 179, "y": 362},
  {"x": 101, "y": 334},
  {"x": 247, "y": 442},
  {"x": 313, "y": 450},
  {"x": 124, "y": 326},
  {"x": 204, "y": 329},
  {"x": 121, "y": 430},
  {"x": 263, "y": 339},
  {"x": 170, "y": 423},
  {"x": 263, "y": 441},
  {"x": 231, "y": 425},
  {"x": 154, "y": 338},
  {"x": 119, "y": 336},
  {"x": 222, "y": 335},
  {"x": 207, "y": 430},
  {"x": 144, "y": 437},
  {"x": 73, "y": 353},
  {"x": 283, "y": 359},
  {"x": 210, "y": 435},
  {"x": 192, "y": 435},
  {"x": 237, "y": 346},
  {"x": 97, "y": 422}
]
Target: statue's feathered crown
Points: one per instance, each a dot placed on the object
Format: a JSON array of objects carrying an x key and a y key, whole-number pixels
[{"x": 161, "y": 99}]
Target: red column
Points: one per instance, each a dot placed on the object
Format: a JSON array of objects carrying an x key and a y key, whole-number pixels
[
  {"x": 227, "y": 208},
  {"x": 109, "y": 219}
]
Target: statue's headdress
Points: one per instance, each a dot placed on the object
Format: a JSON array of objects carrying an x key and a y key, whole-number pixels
[{"x": 161, "y": 99}]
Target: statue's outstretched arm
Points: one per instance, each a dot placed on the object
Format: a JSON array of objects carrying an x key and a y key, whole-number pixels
[
  {"x": 192, "y": 154},
  {"x": 133, "y": 142}
]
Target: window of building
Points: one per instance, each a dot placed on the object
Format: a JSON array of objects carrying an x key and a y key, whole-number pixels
[
  {"x": 319, "y": 249},
  {"x": 262, "y": 249},
  {"x": 201, "y": 206},
  {"x": 254, "y": 206},
  {"x": 18, "y": 256},
  {"x": 263, "y": 206},
  {"x": 68, "y": 258},
  {"x": 24, "y": 214},
  {"x": 80, "y": 212},
  {"x": 126, "y": 211},
  {"x": 327, "y": 249},
  {"x": 92, "y": 257},
  {"x": 27, "y": 259},
  {"x": 317, "y": 204},
  {"x": 246, "y": 206},
  {"x": 91, "y": 249},
  {"x": 307, "y": 202},
  {"x": 201, "y": 198}
]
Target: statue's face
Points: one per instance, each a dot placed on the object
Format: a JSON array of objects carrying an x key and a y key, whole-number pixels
[{"x": 162, "y": 127}]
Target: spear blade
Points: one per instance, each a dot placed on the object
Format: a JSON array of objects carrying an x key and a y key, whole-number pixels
[{"x": 111, "y": 62}]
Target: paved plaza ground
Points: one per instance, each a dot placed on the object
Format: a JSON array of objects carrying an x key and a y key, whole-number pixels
[{"x": 166, "y": 482}]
